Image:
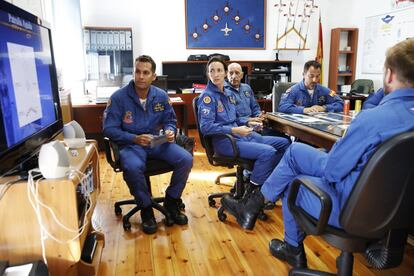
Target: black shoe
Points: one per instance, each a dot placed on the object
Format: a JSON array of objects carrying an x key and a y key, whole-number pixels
[
  {"x": 172, "y": 207},
  {"x": 249, "y": 188},
  {"x": 149, "y": 225},
  {"x": 245, "y": 210},
  {"x": 295, "y": 256}
]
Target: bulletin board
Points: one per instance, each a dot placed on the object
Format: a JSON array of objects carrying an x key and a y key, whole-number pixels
[
  {"x": 382, "y": 32},
  {"x": 220, "y": 24}
]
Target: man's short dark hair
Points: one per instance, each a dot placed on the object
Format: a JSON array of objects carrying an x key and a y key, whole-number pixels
[
  {"x": 311, "y": 63},
  {"x": 145, "y": 58}
]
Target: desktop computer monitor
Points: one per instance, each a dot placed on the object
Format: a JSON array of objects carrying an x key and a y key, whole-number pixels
[{"x": 261, "y": 84}]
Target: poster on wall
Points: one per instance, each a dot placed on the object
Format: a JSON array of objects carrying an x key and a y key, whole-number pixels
[
  {"x": 219, "y": 24},
  {"x": 382, "y": 32}
]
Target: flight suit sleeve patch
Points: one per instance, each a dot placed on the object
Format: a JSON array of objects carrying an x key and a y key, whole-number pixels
[
  {"x": 108, "y": 104},
  {"x": 128, "y": 118},
  {"x": 288, "y": 90},
  {"x": 158, "y": 107},
  {"x": 207, "y": 99},
  {"x": 332, "y": 93},
  {"x": 205, "y": 111}
]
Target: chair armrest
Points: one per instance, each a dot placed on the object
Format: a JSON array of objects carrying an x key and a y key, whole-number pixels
[
  {"x": 324, "y": 198},
  {"x": 236, "y": 152},
  {"x": 112, "y": 154}
]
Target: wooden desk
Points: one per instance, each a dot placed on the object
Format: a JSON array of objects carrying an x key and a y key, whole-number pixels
[
  {"x": 321, "y": 135},
  {"x": 20, "y": 230},
  {"x": 90, "y": 116}
]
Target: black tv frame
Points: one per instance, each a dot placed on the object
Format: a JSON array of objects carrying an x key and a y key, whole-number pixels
[{"x": 15, "y": 156}]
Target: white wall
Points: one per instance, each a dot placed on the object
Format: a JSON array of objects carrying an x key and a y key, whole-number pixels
[{"x": 159, "y": 29}]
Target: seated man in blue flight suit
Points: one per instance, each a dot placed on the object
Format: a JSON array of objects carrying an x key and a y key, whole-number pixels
[
  {"x": 217, "y": 115},
  {"x": 374, "y": 99},
  {"x": 309, "y": 96},
  {"x": 134, "y": 115},
  {"x": 248, "y": 110},
  {"x": 335, "y": 172}
]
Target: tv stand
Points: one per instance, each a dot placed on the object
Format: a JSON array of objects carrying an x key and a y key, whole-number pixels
[{"x": 20, "y": 233}]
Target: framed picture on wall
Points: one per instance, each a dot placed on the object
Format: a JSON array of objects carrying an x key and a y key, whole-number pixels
[{"x": 220, "y": 24}]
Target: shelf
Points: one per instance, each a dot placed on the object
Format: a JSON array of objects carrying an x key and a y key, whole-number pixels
[{"x": 342, "y": 38}]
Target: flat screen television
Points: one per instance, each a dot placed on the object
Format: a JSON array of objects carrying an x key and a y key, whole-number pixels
[
  {"x": 261, "y": 84},
  {"x": 30, "y": 113}
]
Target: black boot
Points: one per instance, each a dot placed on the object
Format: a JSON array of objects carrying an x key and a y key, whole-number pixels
[
  {"x": 149, "y": 225},
  {"x": 173, "y": 206},
  {"x": 246, "y": 209},
  {"x": 295, "y": 256}
]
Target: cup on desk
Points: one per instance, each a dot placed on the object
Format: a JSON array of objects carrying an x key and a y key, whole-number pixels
[{"x": 358, "y": 104}]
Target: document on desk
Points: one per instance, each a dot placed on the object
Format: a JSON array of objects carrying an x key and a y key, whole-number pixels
[
  {"x": 301, "y": 118},
  {"x": 176, "y": 100}
]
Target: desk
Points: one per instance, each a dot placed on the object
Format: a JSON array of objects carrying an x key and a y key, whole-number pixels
[
  {"x": 20, "y": 232},
  {"x": 90, "y": 115},
  {"x": 321, "y": 130}
]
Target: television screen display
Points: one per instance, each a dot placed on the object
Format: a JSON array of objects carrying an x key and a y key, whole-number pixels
[
  {"x": 29, "y": 103},
  {"x": 261, "y": 84}
]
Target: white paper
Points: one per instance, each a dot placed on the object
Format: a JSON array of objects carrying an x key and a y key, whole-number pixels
[{"x": 25, "y": 84}]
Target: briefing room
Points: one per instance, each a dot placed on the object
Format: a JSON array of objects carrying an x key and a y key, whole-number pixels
[{"x": 206, "y": 137}]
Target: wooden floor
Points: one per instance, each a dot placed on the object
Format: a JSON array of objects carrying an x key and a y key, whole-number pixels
[{"x": 205, "y": 246}]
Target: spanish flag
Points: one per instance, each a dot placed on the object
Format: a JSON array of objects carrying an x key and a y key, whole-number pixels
[{"x": 319, "y": 50}]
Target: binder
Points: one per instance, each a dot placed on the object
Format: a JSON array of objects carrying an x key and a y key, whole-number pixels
[
  {"x": 122, "y": 40},
  {"x": 93, "y": 41},
  {"x": 116, "y": 40},
  {"x": 86, "y": 40},
  {"x": 128, "y": 40},
  {"x": 99, "y": 40},
  {"x": 104, "y": 40},
  {"x": 111, "y": 40}
]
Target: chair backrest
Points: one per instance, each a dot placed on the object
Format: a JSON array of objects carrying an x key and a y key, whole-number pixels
[
  {"x": 382, "y": 197},
  {"x": 206, "y": 142},
  {"x": 278, "y": 89},
  {"x": 362, "y": 86}
]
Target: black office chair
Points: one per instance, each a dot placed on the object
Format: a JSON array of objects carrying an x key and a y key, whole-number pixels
[
  {"x": 153, "y": 167},
  {"x": 377, "y": 215},
  {"x": 225, "y": 161},
  {"x": 362, "y": 86},
  {"x": 278, "y": 89}
]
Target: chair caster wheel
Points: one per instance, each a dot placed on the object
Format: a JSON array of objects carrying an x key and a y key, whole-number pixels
[
  {"x": 211, "y": 202},
  {"x": 269, "y": 205},
  {"x": 127, "y": 226},
  {"x": 221, "y": 215},
  {"x": 262, "y": 216},
  {"x": 217, "y": 182},
  {"x": 118, "y": 211},
  {"x": 182, "y": 207},
  {"x": 233, "y": 190}
]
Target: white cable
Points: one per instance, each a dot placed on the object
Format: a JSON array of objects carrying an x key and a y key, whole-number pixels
[{"x": 32, "y": 189}]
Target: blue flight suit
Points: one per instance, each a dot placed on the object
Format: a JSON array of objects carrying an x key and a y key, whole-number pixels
[
  {"x": 217, "y": 115},
  {"x": 295, "y": 99},
  {"x": 374, "y": 99},
  {"x": 125, "y": 118},
  {"x": 336, "y": 172},
  {"x": 246, "y": 104}
]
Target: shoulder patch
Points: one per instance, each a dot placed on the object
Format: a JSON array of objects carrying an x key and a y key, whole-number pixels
[
  {"x": 332, "y": 93},
  {"x": 207, "y": 99},
  {"x": 288, "y": 90},
  {"x": 169, "y": 101},
  {"x": 108, "y": 103}
]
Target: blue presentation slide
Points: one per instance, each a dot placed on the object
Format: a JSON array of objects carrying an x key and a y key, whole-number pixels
[{"x": 26, "y": 98}]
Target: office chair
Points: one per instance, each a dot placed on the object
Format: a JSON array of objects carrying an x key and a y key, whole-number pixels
[
  {"x": 377, "y": 215},
  {"x": 362, "y": 86},
  {"x": 153, "y": 167},
  {"x": 225, "y": 161},
  {"x": 278, "y": 89}
]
